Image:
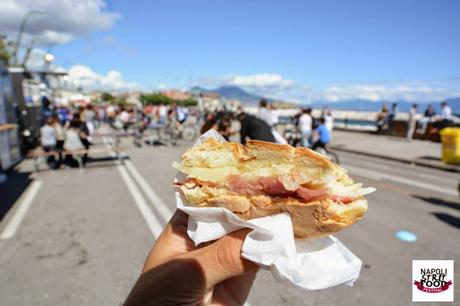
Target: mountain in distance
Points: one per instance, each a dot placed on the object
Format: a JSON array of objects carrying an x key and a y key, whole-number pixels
[
  {"x": 249, "y": 99},
  {"x": 229, "y": 92}
]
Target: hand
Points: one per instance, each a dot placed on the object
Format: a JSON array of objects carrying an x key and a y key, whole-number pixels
[{"x": 178, "y": 273}]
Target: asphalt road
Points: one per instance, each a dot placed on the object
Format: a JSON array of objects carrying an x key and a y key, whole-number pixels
[{"x": 85, "y": 234}]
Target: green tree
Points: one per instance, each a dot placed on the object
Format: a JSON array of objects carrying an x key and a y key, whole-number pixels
[
  {"x": 5, "y": 55},
  {"x": 155, "y": 98},
  {"x": 188, "y": 102},
  {"x": 107, "y": 97}
]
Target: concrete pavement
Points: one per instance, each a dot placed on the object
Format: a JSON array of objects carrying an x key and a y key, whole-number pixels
[
  {"x": 420, "y": 152},
  {"x": 84, "y": 238}
]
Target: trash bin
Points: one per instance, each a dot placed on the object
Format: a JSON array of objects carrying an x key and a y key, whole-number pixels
[{"x": 450, "y": 138}]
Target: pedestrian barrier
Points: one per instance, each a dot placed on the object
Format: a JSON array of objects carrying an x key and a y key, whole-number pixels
[{"x": 78, "y": 154}]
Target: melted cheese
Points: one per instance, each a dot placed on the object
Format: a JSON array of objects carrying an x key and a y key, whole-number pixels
[{"x": 216, "y": 175}]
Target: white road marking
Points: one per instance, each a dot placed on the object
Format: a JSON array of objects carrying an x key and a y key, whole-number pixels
[
  {"x": 163, "y": 209},
  {"x": 149, "y": 217},
  {"x": 147, "y": 213},
  {"x": 24, "y": 205},
  {"x": 380, "y": 176}
]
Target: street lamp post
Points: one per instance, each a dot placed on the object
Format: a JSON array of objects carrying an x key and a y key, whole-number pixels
[{"x": 21, "y": 30}]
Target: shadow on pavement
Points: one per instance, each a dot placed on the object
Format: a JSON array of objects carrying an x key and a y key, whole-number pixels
[
  {"x": 428, "y": 157},
  {"x": 12, "y": 189},
  {"x": 439, "y": 202},
  {"x": 449, "y": 219}
]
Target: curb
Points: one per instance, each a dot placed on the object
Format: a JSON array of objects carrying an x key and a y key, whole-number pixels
[{"x": 403, "y": 160}]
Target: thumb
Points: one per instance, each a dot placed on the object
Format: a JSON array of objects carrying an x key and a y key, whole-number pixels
[{"x": 222, "y": 259}]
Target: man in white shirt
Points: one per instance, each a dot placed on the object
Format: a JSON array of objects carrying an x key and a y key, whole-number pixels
[
  {"x": 305, "y": 124},
  {"x": 328, "y": 120},
  {"x": 264, "y": 112},
  {"x": 274, "y": 115},
  {"x": 162, "y": 113},
  {"x": 411, "y": 122},
  {"x": 446, "y": 111}
]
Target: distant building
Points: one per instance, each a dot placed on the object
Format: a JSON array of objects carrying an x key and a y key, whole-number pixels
[
  {"x": 177, "y": 95},
  {"x": 132, "y": 98}
]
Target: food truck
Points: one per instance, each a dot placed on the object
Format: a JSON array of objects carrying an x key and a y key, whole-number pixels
[{"x": 9, "y": 138}]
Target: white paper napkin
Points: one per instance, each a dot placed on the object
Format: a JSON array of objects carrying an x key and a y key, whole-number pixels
[{"x": 309, "y": 264}]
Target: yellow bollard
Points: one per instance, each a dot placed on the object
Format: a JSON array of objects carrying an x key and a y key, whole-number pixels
[{"x": 450, "y": 138}]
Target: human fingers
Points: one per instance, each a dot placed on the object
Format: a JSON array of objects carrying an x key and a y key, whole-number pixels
[
  {"x": 233, "y": 291},
  {"x": 222, "y": 259},
  {"x": 171, "y": 242}
]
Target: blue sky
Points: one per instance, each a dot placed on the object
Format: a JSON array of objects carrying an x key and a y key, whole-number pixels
[{"x": 302, "y": 49}]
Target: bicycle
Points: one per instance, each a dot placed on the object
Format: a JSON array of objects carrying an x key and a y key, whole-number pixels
[{"x": 172, "y": 133}]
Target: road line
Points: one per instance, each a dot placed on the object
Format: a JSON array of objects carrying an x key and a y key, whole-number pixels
[
  {"x": 24, "y": 205},
  {"x": 379, "y": 176},
  {"x": 156, "y": 201},
  {"x": 147, "y": 213},
  {"x": 149, "y": 217}
]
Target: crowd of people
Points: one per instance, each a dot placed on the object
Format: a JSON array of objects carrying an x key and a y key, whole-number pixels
[
  {"x": 416, "y": 123},
  {"x": 64, "y": 130},
  {"x": 263, "y": 126}
]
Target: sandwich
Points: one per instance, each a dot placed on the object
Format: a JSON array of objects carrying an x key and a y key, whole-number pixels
[{"x": 262, "y": 179}]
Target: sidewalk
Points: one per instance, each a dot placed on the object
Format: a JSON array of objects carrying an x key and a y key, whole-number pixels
[{"x": 419, "y": 152}]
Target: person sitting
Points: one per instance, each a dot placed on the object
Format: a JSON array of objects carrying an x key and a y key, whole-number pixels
[
  {"x": 322, "y": 134},
  {"x": 446, "y": 113},
  {"x": 427, "y": 117},
  {"x": 382, "y": 119},
  {"x": 48, "y": 141},
  {"x": 73, "y": 141}
]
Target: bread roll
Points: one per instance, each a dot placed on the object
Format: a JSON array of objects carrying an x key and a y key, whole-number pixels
[{"x": 262, "y": 179}]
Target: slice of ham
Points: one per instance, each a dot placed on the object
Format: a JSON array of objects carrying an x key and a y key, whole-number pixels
[
  {"x": 312, "y": 194},
  {"x": 243, "y": 185},
  {"x": 275, "y": 187},
  {"x": 343, "y": 199}
]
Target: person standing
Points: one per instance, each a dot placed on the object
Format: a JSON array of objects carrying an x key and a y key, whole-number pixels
[
  {"x": 411, "y": 122},
  {"x": 162, "y": 113},
  {"x": 264, "y": 112},
  {"x": 254, "y": 128},
  {"x": 328, "y": 120},
  {"x": 48, "y": 141},
  {"x": 305, "y": 125},
  {"x": 274, "y": 115},
  {"x": 322, "y": 134}
]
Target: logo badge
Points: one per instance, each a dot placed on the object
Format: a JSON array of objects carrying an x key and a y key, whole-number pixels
[{"x": 432, "y": 280}]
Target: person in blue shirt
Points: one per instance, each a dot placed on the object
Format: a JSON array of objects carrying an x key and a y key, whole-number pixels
[{"x": 323, "y": 135}]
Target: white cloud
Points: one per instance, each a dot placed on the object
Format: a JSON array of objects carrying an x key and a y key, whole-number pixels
[
  {"x": 62, "y": 21},
  {"x": 276, "y": 86},
  {"x": 88, "y": 79},
  {"x": 261, "y": 80}
]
